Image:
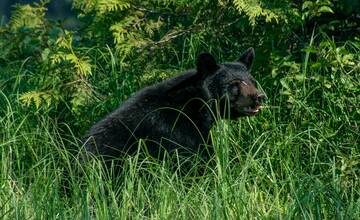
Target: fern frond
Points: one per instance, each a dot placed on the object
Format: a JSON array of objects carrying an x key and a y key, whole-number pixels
[
  {"x": 254, "y": 9},
  {"x": 85, "y": 6},
  {"x": 79, "y": 98},
  {"x": 66, "y": 53},
  {"x": 36, "y": 97},
  {"x": 82, "y": 65},
  {"x": 105, "y": 6},
  {"x": 27, "y": 16}
]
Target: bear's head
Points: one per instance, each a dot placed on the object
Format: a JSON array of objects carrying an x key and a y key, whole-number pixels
[{"x": 231, "y": 84}]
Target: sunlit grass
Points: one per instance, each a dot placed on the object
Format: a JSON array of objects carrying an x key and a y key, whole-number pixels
[
  {"x": 298, "y": 159},
  {"x": 269, "y": 166}
]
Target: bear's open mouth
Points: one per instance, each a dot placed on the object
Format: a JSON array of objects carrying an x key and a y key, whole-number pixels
[{"x": 251, "y": 110}]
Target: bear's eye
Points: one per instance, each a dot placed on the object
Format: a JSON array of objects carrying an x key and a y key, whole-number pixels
[{"x": 234, "y": 89}]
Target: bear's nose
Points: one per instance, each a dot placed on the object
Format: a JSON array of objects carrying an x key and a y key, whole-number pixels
[{"x": 260, "y": 97}]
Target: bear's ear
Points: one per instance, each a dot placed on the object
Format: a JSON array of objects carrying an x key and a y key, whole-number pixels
[
  {"x": 206, "y": 64},
  {"x": 247, "y": 57}
]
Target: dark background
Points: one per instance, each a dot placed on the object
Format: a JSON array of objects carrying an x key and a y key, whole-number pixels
[{"x": 59, "y": 9}]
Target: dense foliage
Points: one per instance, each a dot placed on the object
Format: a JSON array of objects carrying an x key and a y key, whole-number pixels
[{"x": 299, "y": 158}]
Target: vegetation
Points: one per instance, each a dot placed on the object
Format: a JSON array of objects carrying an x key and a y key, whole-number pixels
[{"x": 299, "y": 158}]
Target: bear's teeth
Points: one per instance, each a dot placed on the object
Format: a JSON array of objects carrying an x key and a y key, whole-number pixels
[
  {"x": 250, "y": 109},
  {"x": 258, "y": 107}
]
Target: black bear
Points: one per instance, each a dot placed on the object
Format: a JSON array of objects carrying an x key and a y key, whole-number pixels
[{"x": 178, "y": 113}]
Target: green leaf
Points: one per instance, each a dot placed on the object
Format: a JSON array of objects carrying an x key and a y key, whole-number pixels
[
  {"x": 325, "y": 9},
  {"x": 307, "y": 4},
  {"x": 300, "y": 77}
]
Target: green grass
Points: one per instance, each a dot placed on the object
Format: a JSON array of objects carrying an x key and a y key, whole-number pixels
[
  {"x": 298, "y": 159},
  {"x": 265, "y": 167}
]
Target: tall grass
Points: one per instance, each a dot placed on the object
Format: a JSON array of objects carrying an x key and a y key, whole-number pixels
[{"x": 298, "y": 162}]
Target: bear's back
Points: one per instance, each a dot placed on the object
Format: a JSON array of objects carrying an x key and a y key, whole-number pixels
[{"x": 148, "y": 114}]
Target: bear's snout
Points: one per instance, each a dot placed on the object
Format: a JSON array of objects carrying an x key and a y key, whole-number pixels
[{"x": 259, "y": 98}]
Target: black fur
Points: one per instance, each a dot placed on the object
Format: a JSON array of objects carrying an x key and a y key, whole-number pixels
[{"x": 176, "y": 114}]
